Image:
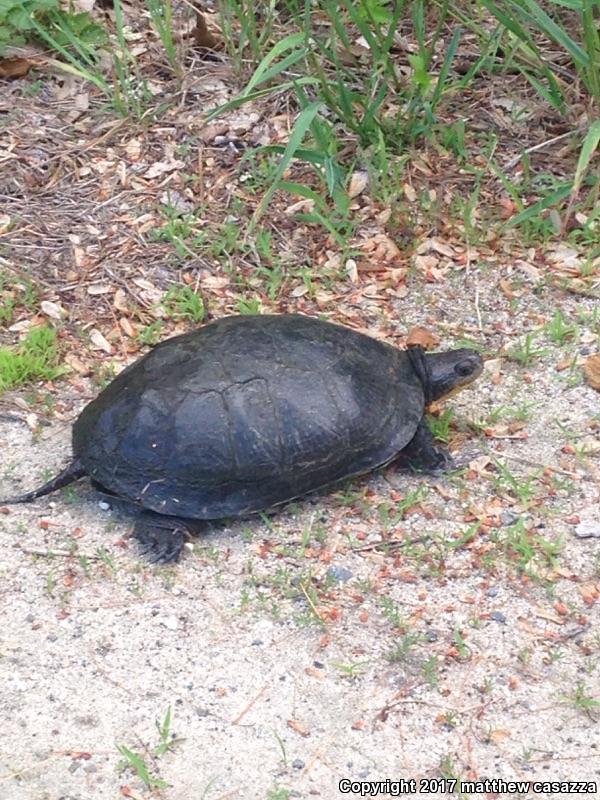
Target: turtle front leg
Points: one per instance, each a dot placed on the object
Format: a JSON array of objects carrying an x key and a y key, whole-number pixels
[
  {"x": 422, "y": 455},
  {"x": 162, "y": 538}
]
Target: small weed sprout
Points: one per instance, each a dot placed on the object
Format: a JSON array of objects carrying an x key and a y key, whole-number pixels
[{"x": 182, "y": 302}]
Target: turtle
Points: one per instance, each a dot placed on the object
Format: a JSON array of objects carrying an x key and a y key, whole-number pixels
[{"x": 250, "y": 411}]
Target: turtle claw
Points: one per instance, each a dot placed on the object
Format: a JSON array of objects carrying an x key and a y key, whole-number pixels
[
  {"x": 422, "y": 455},
  {"x": 441, "y": 462},
  {"x": 159, "y": 545}
]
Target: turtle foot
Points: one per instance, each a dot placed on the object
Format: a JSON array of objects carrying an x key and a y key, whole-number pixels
[
  {"x": 435, "y": 462},
  {"x": 422, "y": 455},
  {"x": 438, "y": 461},
  {"x": 159, "y": 544}
]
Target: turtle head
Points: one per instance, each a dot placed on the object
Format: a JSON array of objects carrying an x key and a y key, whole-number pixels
[{"x": 451, "y": 371}]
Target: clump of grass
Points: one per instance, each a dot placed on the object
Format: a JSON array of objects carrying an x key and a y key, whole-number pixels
[
  {"x": 137, "y": 763},
  {"x": 36, "y": 358},
  {"x": 182, "y": 302},
  {"x": 577, "y": 36},
  {"x": 151, "y": 334},
  {"x": 15, "y": 293}
]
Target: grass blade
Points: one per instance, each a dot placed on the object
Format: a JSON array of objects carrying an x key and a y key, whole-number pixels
[
  {"x": 541, "y": 205},
  {"x": 590, "y": 143},
  {"x": 247, "y": 98},
  {"x": 304, "y": 191},
  {"x": 545, "y": 23},
  {"x": 262, "y": 72},
  {"x": 299, "y": 130},
  {"x": 441, "y": 81}
]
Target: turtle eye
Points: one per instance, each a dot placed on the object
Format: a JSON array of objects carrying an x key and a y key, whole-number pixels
[{"x": 465, "y": 369}]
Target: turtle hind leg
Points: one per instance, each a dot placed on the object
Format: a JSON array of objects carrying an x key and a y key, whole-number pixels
[
  {"x": 422, "y": 455},
  {"x": 162, "y": 538}
]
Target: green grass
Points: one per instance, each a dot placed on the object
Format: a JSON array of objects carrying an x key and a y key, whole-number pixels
[
  {"x": 528, "y": 25},
  {"x": 161, "y": 15},
  {"x": 79, "y": 40},
  {"x": 307, "y": 51},
  {"x": 278, "y": 793},
  {"x": 403, "y": 647},
  {"x": 440, "y": 425},
  {"x": 36, "y": 358},
  {"x": 525, "y": 352},
  {"x": 152, "y": 334},
  {"x": 252, "y": 305},
  {"x": 182, "y": 302},
  {"x": 136, "y": 763},
  {"x": 22, "y": 21},
  {"x": 582, "y": 700},
  {"x": 558, "y": 329},
  {"x": 360, "y": 107},
  {"x": 15, "y": 293}
]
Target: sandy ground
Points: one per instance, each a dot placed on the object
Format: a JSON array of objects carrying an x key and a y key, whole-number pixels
[{"x": 294, "y": 651}]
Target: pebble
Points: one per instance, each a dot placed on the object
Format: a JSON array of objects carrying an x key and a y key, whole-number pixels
[
  {"x": 498, "y": 616},
  {"x": 509, "y": 517},
  {"x": 492, "y": 591},
  {"x": 297, "y": 763},
  {"x": 339, "y": 574},
  {"x": 588, "y": 529},
  {"x": 104, "y": 505},
  {"x": 172, "y": 623}
]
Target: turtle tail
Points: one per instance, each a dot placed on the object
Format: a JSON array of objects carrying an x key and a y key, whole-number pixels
[{"x": 69, "y": 474}]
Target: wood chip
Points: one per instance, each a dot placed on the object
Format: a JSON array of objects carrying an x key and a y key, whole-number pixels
[
  {"x": 409, "y": 193},
  {"x": 296, "y": 726},
  {"x": 358, "y": 183},
  {"x": 99, "y": 342},
  {"x": 120, "y": 301},
  {"x": 352, "y": 270},
  {"x": 97, "y": 289},
  {"x": 127, "y": 328},
  {"x": 77, "y": 364},
  {"x": 52, "y": 310},
  {"x": 162, "y": 167},
  {"x": 133, "y": 148},
  {"x": 203, "y": 37}
]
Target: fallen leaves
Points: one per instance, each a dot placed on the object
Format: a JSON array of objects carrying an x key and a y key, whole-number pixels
[
  {"x": 423, "y": 337},
  {"x": 498, "y": 735},
  {"x": 591, "y": 369},
  {"x": 14, "y": 67},
  {"x": 381, "y": 248},
  {"x": 589, "y": 592},
  {"x": 160, "y": 168}
]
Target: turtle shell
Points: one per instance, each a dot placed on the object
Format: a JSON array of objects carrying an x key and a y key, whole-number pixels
[{"x": 246, "y": 413}]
